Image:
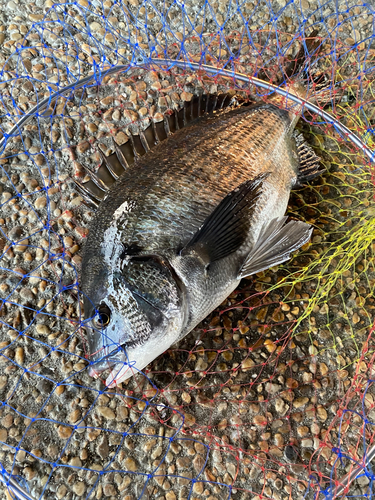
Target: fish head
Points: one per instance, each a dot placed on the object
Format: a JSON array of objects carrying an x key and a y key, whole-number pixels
[{"x": 133, "y": 316}]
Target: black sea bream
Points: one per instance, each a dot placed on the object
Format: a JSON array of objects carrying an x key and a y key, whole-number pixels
[{"x": 183, "y": 224}]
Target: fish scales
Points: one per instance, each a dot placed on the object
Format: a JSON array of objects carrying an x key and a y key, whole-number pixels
[
  {"x": 181, "y": 227},
  {"x": 178, "y": 184}
]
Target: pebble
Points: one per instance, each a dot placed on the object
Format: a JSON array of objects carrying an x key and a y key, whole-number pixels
[
  {"x": 6, "y": 196},
  {"x": 41, "y": 202},
  {"x": 260, "y": 421},
  {"x": 12, "y": 6},
  {"x": 141, "y": 85},
  {"x": 92, "y": 128},
  {"x": 280, "y": 406},
  {"x": 298, "y": 402},
  {"x": 61, "y": 492},
  {"x": 21, "y": 455},
  {"x": 290, "y": 453},
  {"x": 162, "y": 102},
  {"x": 156, "y": 452},
  {"x": 3, "y": 381},
  {"x": 106, "y": 412},
  {"x": 363, "y": 480},
  {"x": 109, "y": 490},
  {"x": 60, "y": 390},
  {"x": 121, "y": 138},
  {"x": 68, "y": 242},
  {"x": 273, "y": 388},
  {"x": 198, "y": 463},
  {"x": 15, "y": 36},
  {"x": 116, "y": 115},
  {"x": 103, "y": 449},
  {"x": 156, "y": 86},
  {"x": 7, "y": 421},
  {"x": 279, "y": 440},
  {"x": 29, "y": 473},
  {"x": 247, "y": 364},
  {"x": 291, "y": 383},
  {"x": 76, "y": 202},
  {"x": 270, "y": 345},
  {"x": 278, "y": 484},
  {"x": 323, "y": 369},
  {"x": 322, "y": 414},
  {"x": 313, "y": 350},
  {"x": 107, "y": 100},
  {"x": 302, "y": 430},
  {"x": 158, "y": 117},
  {"x": 21, "y": 247},
  {"x": 82, "y": 147},
  {"x": 79, "y": 488},
  {"x": 19, "y": 356},
  {"x": 143, "y": 111},
  {"x": 75, "y": 462},
  {"x": 129, "y": 464},
  {"x": 130, "y": 115},
  {"x": 186, "y": 96},
  {"x": 42, "y": 329},
  {"x": 74, "y": 416},
  {"x": 189, "y": 419},
  {"x": 36, "y": 17},
  {"x": 64, "y": 432}
]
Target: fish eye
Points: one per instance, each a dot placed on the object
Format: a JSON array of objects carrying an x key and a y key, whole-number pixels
[{"x": 103, "y": 317}]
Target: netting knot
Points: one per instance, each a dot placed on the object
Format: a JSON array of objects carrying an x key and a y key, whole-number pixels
[{"x": 338, "y": 452}]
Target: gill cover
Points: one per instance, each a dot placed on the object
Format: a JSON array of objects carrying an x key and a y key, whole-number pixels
[{"x": 144, "y": 298}]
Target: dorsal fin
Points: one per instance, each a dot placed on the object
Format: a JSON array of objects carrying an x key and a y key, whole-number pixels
[{"x": 113, "y": 166}]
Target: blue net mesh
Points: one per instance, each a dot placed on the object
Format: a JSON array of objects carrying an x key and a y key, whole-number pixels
[{"x": 271, "y": 397}]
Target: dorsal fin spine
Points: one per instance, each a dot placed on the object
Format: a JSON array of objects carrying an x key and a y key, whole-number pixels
[
  {"x": 108, "y": 165},
  {"x": 144, "y": 141}
]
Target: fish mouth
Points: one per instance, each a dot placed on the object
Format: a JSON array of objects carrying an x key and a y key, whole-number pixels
[{"x": 117, "y": 362}]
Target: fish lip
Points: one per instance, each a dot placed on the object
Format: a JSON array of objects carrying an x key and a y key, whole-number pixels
[
  {"x": 105, "y": 360},
  {"x": 120, "y": 372},
  {"x": 95, "y": 372},
  {"x": 118, "y": 367}
]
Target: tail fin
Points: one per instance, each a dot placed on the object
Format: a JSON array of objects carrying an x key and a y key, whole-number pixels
[
  {"x": 303, "y": 66},
  {"x": 298, "y": 76},
  {"x": 306, "y": 55}
]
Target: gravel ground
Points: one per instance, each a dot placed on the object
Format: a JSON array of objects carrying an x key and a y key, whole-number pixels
[{"x": 249, "y": 403}]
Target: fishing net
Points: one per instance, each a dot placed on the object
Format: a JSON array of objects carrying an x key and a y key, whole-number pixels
[{"x": 272, "y": 396}]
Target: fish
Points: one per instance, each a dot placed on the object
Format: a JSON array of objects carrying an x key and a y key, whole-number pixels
[{"x": 194, "y": 205}]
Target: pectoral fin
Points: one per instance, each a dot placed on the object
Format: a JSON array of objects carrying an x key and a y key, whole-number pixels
[
  {"x": 226, "y": 228},
  {"x": 275, "y": 244}
]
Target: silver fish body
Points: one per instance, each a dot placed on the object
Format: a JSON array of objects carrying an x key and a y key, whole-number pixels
[{"x": 181, "y": 227}]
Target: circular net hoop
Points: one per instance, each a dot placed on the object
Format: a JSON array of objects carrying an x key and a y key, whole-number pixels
[{"x": 272, "y": 396}]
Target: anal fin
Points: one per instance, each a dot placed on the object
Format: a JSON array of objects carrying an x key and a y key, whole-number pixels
[{"x": 275, "y": 244}]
